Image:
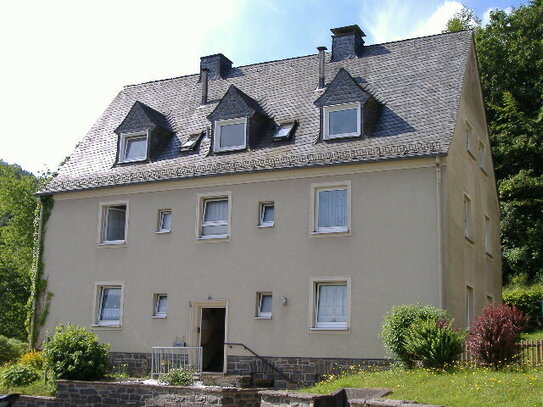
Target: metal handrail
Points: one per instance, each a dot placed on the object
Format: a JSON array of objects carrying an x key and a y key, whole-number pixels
[{"x": 282, "y": 374}]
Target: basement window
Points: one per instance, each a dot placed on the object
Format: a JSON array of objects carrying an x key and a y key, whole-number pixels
[{"x": 341, "y": 121}]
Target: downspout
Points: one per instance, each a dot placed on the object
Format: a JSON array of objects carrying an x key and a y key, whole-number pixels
[
  {"x": 441, "y": 277},
  {"x": 36, "y": 278}
]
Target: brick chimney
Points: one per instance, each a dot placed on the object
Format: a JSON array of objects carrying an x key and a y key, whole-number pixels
[
  {"x": 217, "y": 65},
  {"x": 347, "y": 42}
]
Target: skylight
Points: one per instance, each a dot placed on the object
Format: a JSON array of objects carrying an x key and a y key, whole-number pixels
[
  {"x": 284, "y": 131},
  {"x": 192, "y": 142}
]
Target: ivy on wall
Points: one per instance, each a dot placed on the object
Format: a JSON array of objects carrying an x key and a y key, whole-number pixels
[{"x": 40, "y": 298}]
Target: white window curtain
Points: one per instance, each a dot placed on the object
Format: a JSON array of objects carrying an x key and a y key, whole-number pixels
[
  {"x": 331, "y": 305},
  {"x": 332, "y": 208},
  {"x": 135, "y": 148},
  {"x": 115, "y": 224},
  {"x": 162, "y": 304},
  {"x": 110, "y": 307},
  {"x": 215, "y": 219}
]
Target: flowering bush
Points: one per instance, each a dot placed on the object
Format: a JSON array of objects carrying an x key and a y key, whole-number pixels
[
  {"x": 494, "y": 335},
  {"x": 33, "y": 359}
]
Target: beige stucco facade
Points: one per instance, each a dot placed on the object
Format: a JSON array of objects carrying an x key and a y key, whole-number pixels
[{"x": 405, "y": 245}]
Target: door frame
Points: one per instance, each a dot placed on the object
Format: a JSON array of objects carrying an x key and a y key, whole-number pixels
[{"x": 196, "y": 319}]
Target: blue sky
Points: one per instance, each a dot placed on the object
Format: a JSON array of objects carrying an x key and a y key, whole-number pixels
[{"x": 64, "y": 61}]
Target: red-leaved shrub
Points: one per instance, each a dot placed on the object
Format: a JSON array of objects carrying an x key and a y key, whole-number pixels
[{"x": 494, "y": 335}]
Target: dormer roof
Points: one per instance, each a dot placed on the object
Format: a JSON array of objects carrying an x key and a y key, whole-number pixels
[
  {"x": 342, "y": 89},
  {"x": 142, "y": 117},
  {"x": 234, "y": 104}
]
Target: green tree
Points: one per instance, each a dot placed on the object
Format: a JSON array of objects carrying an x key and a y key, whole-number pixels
[
  {"x": 465, "y": 19},
  {"x": 510, "y": 55},
  {"x": 17, "y": 206}
]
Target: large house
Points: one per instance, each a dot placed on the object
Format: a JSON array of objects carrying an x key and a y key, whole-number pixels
[{"x": 282, "y": 207}]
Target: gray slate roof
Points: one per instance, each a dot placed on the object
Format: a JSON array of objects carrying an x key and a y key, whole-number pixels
[{"x": 419, "y": 81}]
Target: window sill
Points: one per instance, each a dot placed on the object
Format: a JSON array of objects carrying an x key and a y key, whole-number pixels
[
  {"x": 340, "y": 136},
  {"x": 266, "y": 226},
  {"x": 163, "y": 232},
  {"x": 106, "y": 327},
  {"x": 468, "y": 240},
  {"x": 335, "y": 329},
  {"x": 160, "y": 316},
  {"x": 111, "y": 245},
  {"x": 263, "y": 317},
  {"x": 489, "y": 255},
  {"x": 484, "y": 171},
  {"x": 215, "y": 238},
  {"x": 331, "y": 233}
]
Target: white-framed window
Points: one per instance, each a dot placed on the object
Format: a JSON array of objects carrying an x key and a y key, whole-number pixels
[
  {"x": 113, "y": 222},
  {"x": 164, "y": 221},
  {"x": 468, "y": 232},
  {"x": 469, "y": 306},
  {"x": 330, "y": 303},
  {"x": 267, "y": 215},
  {"x": 264, "y": 305},
  {"x": 214, "y": 216},
  {"x": 341, "y": 121},
  {"x": 488, "y": 235},
  {"x": 470, "y": 142},
  {"x": 160, "y": 305},
  {"x": 482, "y": 156},
  {"x": 230, "y": 135},
  {"x": 331, "y": 205},
  {"x": 133, "y": 147},
  {"x": 108, "y": 308}
]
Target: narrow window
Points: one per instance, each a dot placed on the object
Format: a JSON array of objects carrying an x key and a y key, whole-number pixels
[
  {"x": 161, "y": 305},
  {"x": 482, "y": 156},
  {"x": 467, "y": 218},
  {"x": 264, "y": 305},
  {"x": 341, "y": 121},
  {"x": 488, "y": 236},
  {"x": 113, "y": 224},
  {"x": 469, "y": 306},
  {"x": 331, "y": 305},
  {"x": 230, "y": 135},
  {"x": 267, "y": 215},
  {"x": 470, "y": 145},
  {"x": 109, "y": 306},
  {"x": 164, "y": 221},
  {"x": 133, "y": 148},
  {"x": 215, "y": 218},
  {"x": 331, "y": 210}
]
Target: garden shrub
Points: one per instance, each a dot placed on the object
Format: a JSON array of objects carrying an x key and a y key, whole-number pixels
[
  {"x": 178, "y": 377},
  {"x": 528, "y": 300},
  {"x": 397, "y": 323},
  {"x": 434, "y": 342},
  {"x": 11, "y": 349},
  {"x": 495, "y": 334},
  {"x": 73, "y": 353},
  {"x": 19, "y": 375},
  {"x": 33, "y": 359}
]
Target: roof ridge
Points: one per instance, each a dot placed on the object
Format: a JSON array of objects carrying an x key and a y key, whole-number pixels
[{"x": 291, "y": 58}]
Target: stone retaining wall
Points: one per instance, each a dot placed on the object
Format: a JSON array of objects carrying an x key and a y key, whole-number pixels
[
  {"x": 106, "y": 394},
  {"x": 306, "y": 371},
  {"x": 133, "y": 363}
]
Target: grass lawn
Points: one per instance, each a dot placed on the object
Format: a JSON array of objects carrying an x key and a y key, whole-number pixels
[
  {"x": 464, "y": 387},
  {"x": 532, "y": 336},
  {"x": 38, "y": 388}
]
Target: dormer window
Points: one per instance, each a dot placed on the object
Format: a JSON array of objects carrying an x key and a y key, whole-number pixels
[
  {"x": 341, "y": 121},
  {"x": 133, "y": 147},
  {"x": 230, "y": 134}
]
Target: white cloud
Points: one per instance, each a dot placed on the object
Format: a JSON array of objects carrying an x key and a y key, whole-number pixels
[
  {"x": 391, "y": 20},
  {"x": 63, "y": 61}
]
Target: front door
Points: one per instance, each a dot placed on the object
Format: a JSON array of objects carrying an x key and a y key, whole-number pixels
[{"x": 212, "y": 330}]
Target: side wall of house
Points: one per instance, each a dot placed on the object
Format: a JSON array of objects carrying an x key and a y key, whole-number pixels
[
  {"x": 390, "y": 258},
  {"x": 473, "y": 261}
]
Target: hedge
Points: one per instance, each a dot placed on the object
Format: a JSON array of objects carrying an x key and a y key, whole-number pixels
[{"x": 528, "y": 300}]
